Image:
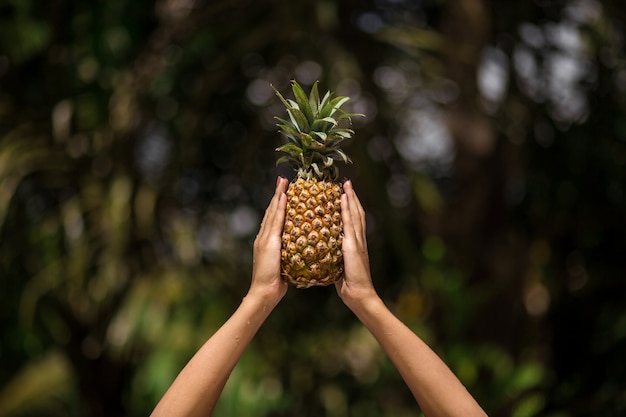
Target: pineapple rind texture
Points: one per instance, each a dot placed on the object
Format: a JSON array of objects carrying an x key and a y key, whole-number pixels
[
  {"x": 312, "y": 235},
  {"x": 313, "y": 232}
]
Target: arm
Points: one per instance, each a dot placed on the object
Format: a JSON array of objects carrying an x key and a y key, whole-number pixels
[
  {"x": 437, "y": 390},
  {"x": 198, "y": 386}
]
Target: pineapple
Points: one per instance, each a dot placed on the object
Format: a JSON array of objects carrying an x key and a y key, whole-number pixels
[{"x": 313, "y": 232}]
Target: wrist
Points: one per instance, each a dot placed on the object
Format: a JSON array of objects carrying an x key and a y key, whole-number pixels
[
  {"x": 369, "y": 309},
  {"x": 362, "y": 302},
  {"x": 266, "y": 297}
]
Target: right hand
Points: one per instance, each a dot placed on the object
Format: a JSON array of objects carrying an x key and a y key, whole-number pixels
[
  {"x": 266, "y": 279},
  {"x": 356, "y": 286}
]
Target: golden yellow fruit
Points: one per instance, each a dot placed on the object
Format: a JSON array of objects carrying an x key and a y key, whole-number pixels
[
  {"x": 313, "y": 232},
  {"x": 312, "y": 235}
]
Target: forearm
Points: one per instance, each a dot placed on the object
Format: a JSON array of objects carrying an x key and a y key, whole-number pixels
[
  {"x": 199, "y": 385},
  {"x": 436, "y": 389},
  {"x": 434, "y": 386}
]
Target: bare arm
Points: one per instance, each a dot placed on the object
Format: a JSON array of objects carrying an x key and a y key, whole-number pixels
[
  {"x": 199, "y": 385},
  {"x": 437, "y": 390}
]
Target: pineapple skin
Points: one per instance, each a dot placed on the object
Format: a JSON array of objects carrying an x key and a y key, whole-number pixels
[{"x": 313, "y": 233}]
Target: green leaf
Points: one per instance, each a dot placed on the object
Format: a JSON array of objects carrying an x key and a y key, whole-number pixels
[
  {"x": 346, "y": 133},
  {"x": 280, "y": 96},
  {"x": 334, "y": 141},
  {"x": 321, "y": 126},
  {"x": 345, "y": 115},
  {"x": 283, "y": 158},
  {"x": 293, "y": 119},
  {"x": 319, "y": 147},
  {"x": 303, "y": 101},
  {"x": 314, "y": 99},
  {"x": 306, "y": 140},
  {"x": 287, "y": 127},
  {"x": 332, "y": 106},
  {"x": 324, "y": 100},
  {"x": 340, "y": 102},
  {"x": 290, "y": 148},
  {"x": 320, "y": 135},
  {"x": 343, "y": 156},
  {"x": 300, "y": 120}
]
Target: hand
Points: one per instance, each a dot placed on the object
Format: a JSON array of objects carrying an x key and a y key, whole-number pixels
[
  {"x": 266, "y": 280},
  {"x": 356, "y": 285}
]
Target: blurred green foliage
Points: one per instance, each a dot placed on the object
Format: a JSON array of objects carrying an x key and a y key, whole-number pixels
[{"x": 137, "y": 156}]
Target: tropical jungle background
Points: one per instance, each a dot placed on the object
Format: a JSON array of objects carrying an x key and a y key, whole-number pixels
[{"x": 137, "y": 157}]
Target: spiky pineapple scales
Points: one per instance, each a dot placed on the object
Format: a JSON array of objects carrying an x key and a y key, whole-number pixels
[{"x": 312, "y": 236}]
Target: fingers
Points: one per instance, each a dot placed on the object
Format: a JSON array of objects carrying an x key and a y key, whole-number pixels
[
  {"x": 281, "y": 185},
  {"x": 356, "y": 211},
  {"x": 275, "y": 212},
  {"x": 361, "y": 213},
  {"x": 278, "y": 220},
  {"x": 346, "y": 218},
  {"x": 357, "y": 281}
]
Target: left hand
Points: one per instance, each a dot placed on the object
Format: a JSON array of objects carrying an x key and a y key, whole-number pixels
[
  {"x": 356, "y": 287},
  {"x": 266, "y": 279}
]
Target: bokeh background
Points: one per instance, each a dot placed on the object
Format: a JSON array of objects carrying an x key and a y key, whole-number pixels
[{"x": 137, "y": 157}]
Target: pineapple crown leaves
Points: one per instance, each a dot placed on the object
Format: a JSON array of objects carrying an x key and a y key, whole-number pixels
[{"x": 314, "y": 132}]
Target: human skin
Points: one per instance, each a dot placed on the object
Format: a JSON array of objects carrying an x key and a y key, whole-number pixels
[
  {"x": 437, "y": 390},
  {"x": 196, "y": 389},
  {"x": 198, "y": 386}
]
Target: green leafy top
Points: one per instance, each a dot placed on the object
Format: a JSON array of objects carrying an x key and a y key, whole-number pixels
[{"x": 314, "y": 132}]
